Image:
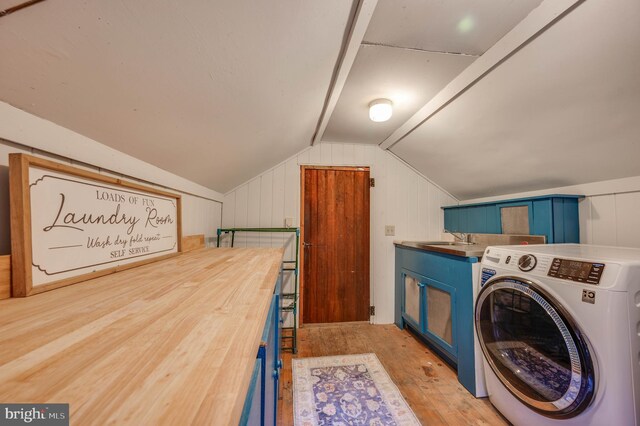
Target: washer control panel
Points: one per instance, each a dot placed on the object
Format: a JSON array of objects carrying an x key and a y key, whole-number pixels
[
  {"x": 575, "y": 270},
  {"x": 527, "y": 262}
]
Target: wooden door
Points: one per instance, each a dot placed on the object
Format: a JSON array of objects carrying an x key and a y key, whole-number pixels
[{"x": 335, "y": 285}]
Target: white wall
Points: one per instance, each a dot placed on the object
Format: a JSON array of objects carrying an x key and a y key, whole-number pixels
[
  {"x": 24, "y": 133},
  {"x": 401, "y": 197},
  {"x": 609, "y": 213}
]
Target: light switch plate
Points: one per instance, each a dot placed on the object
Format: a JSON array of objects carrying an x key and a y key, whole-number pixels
[
  {"x": 389, "y": 230},
  {"x": 288, "y": 222}
]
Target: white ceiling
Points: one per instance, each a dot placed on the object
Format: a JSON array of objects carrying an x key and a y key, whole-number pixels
[
  {"x": 458, "y": 26},
  {"x": 409, "y": 78},
  {"x": 406, "y": 56},
  {"x": 212, "y": 91},
  {"x": 562, "y": 111},
  {"x": 219, "y": 91}
]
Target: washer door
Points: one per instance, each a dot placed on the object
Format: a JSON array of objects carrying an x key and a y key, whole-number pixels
[{"x": 534, "y": 347}]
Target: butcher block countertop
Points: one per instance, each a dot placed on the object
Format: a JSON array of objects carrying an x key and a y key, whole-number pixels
[{"x": 170, "y": 342}]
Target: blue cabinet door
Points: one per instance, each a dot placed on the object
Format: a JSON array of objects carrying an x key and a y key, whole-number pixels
[
  {"x": 542, "y": 221},
  {"x": 451, "y": 220},
  {"x": 566, "y": 228},
  {"x": 429, "y": 307},
  {"x": 527, "y": 204},
  {"x": 477, "y": 220},
  {"x": 493, "y": 219},
  {"x": 270, "y": 373},
  {"x": 412, "y": 295},
  {"x": 439, "y": 315},
  {"x": 252, "y": 409},
  {"x": 278, "y": 324},
  {"x": 261, "y": 403}
]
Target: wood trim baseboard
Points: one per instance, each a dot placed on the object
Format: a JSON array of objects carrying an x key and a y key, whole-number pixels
[
  {"x": 335, "y": 324},
  {"x": 5, "y": 277},
  {"x": 192, "y": 242}
]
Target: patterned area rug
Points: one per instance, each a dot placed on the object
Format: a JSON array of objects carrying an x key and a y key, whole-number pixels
[{"x": 346, "y": 390}]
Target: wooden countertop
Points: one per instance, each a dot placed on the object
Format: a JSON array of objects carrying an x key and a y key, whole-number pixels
[{"x": 171, "y": 342}]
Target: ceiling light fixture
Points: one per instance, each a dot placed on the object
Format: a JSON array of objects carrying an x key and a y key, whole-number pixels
[
  {"x": 380, "y": 110},
  {"x": 466, "y": 24}
]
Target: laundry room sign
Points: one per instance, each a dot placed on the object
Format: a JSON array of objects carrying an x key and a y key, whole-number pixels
[{"x": 70, "y": 225}]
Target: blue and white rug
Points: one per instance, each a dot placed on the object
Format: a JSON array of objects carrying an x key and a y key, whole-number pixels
[{"x": 351, "y": 390}]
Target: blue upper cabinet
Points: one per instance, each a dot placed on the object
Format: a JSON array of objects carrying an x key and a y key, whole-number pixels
[{"x": 554, "y": 216}]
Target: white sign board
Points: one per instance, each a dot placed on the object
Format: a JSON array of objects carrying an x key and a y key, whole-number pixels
[{"x": 80, "y": 225}]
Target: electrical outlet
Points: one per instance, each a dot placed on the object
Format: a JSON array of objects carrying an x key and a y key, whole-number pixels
[
  {"x": 390, "y": 230},
  {"x": 288, "y": 222}
]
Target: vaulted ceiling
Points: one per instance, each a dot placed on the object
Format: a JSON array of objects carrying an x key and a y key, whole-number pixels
[
  {"x": 214, "y": 91},
  {"x": 564, "y": 110},
  {"x": 490, "y": 97},
  {"x": 411, "y": 50}
]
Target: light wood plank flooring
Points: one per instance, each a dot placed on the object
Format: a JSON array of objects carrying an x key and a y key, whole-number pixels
[{"x": 429, "y": 385}]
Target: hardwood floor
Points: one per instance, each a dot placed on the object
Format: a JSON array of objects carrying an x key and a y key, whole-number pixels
[{"x": 429, "y": 385}]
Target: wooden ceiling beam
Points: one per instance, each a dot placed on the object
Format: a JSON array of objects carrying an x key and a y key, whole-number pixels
[{"x": 544, "y": 16}]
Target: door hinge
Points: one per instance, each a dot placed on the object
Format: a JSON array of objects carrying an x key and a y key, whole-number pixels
[
  {"x": 372, "y": 182},
  {"x": 372, "y": 311}
]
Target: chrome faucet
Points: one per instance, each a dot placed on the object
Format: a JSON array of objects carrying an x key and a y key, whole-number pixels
[{"x": 460, "y": 236}]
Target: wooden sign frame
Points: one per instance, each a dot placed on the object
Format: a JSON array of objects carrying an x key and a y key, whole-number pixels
[{"x": 21, "y": 232}]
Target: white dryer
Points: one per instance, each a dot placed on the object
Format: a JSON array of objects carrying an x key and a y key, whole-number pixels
[{"x": 559, "y": 329}]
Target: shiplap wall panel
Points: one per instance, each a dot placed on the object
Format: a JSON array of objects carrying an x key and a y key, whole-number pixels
[
  {"x": 628, "y": 219},
  {"x": 241, "y": 214},
  {"x": 277, "y": 205},
  {"x": 314, "y": 156},
  {"x": 253, "y": 214},
  {"x": 603, "y": 224},
  {"x": 584, "y": 214},
  {"x": 337, "y": 154},
  {"x": 611, "y": 219},
  {"x": 291, "y": 200},
  {"x": 228, "y": 210},
  {"x": 433, "y": 206},
  {"x": 325, "y": 154},
  {"x": 199, "y": 215},
  {"x": 266, "y": 206},
  {"x": 401, "y": 197}
]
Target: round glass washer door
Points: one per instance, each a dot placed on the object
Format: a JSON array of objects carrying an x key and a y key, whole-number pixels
[{"x": 534, "y": 347}]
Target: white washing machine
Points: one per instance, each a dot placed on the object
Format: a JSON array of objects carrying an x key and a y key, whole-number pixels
[{"x": 559, "y": 329}]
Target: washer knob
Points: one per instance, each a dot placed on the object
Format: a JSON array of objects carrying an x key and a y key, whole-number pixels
[{"x": 527, "y": 262}]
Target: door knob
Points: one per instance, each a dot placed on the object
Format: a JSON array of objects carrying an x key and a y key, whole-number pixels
[{"x": 305, "y": 244}]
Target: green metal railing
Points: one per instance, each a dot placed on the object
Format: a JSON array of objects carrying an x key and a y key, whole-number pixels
[{"x": 287, "y": 266}]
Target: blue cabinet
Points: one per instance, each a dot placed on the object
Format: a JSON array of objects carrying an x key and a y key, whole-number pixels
[
  {"x": 434, "y": 297},
  {"x": 554, "y": 216},
  {"x": 429, "y": 306},
  {"x": 252, "y": 410},
  {"x": 261, "y": 402}
]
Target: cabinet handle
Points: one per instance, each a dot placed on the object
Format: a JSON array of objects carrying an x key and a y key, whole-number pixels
[{"x": 275, "y": 373}]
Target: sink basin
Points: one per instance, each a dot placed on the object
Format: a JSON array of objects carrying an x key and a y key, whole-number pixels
[
  {"x": 441, "y": 243},
  {"x": 456, "y": 248}
]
